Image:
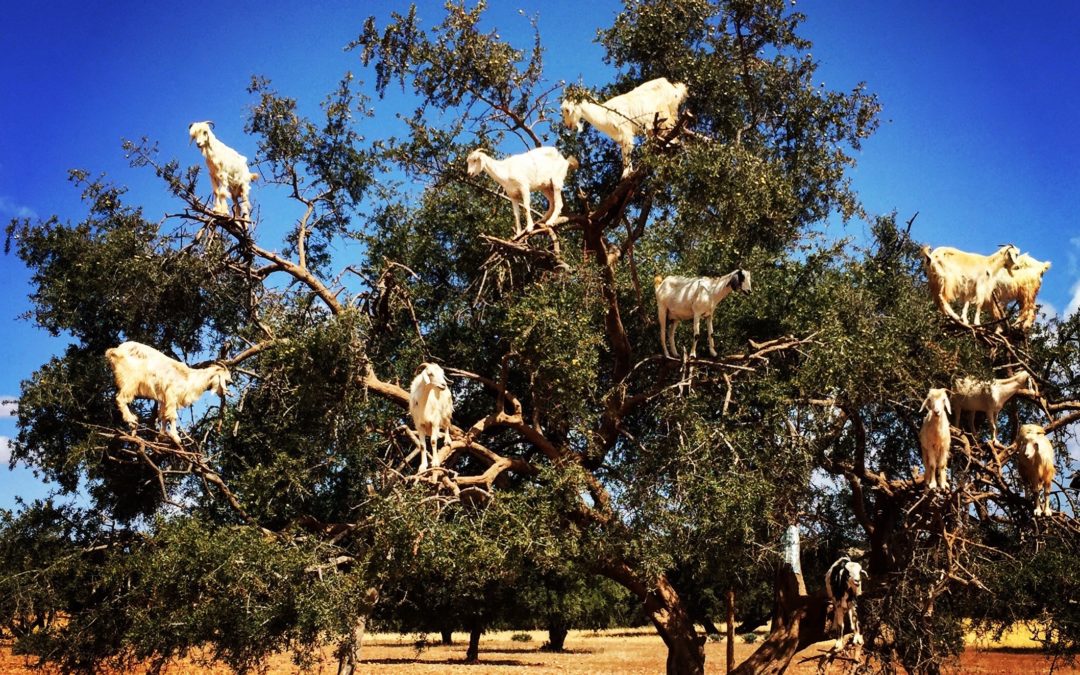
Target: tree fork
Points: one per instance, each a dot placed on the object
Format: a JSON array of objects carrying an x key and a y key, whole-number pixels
[
  {"x": 669, "y": 615},
  {"x": 798, "y": 621}
]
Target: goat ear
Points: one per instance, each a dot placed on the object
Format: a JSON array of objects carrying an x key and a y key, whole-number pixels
[
  {"x": 948, "y": 406},
  {"x": 924, "y": 402}
]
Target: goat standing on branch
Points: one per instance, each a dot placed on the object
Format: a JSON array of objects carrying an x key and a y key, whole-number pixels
[
  {"x": 1022, "y": 285},
  {"x": 1035, "y": 457},
  {"x": 935, "y": 438},
  {"x": 647, "y": 109},
  {"x": 542, "y": 169},
  {"x": 843, "y": 586},
  {"x": 432, "y": 406},
  {"x": 956, "y": 275},
  {"x": 682, "y": 298},
  {"x": 142, "y": 371},
  {"x": 987, "y": 396},
  {"x": 229, "y": 174}
]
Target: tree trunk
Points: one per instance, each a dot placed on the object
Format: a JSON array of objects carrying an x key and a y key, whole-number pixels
[
  {"x": 447, "y": 636},
  {"x": 686, "y": 649},
  {"x": 668, "y": 613},
  {"x": 730, "y": 630},
  {"x": 472, "y": 655},
  {"x": 798, "y": 621},
  {"x": 349, "y": 651},
  {"x": 557, "y": 630}
]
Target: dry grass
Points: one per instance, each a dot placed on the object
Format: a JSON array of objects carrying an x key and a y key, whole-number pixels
[{"x": 630, "y": 651}]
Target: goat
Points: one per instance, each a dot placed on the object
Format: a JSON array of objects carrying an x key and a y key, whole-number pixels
[
  {"x": 142, "y": 371},
  {"x": 432, "y": 406},
  {"x": 987, "y": 396},
  {"x": 969, "y": 277},
  {"x": 542, "y": 169},
  {"x": 934, "y": 438},
  {"x": 843, "y": 584},
  {"x": 651, "y": 106},
  {"x": 1035, "y": 456},
  {"x": 1022, "y": 286},
  {"x": 681, "y": 298},
  {"x": 229, "y": 174}
]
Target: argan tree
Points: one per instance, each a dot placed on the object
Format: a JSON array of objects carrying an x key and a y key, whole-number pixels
[{"x": 294, "y": 512}]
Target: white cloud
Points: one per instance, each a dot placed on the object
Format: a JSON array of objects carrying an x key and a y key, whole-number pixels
[
  {"x": 9, "y": 406},
  {"x": 1074, "y": 302},
  {"x": 1046, "y": 312},
  {"x": 9, "y": 208},
  {"x": 5, "y": 450}
]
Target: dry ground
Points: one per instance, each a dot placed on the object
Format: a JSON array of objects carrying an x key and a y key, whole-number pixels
[{"x": 613, "y": 651}]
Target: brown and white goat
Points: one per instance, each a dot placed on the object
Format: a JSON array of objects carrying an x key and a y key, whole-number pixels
[
  {"x": 987, "y": 396},
  {"x": 229, "y": 174},
  {"x": 935, "y": 439},
  {"x": 1021, "y": 286},
  {"x": 1035, "y": 458},
  {"x": 956, "y": 275},
  {"x": 144, "y": 372}
]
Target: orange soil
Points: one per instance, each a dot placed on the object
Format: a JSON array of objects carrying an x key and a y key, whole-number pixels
[{"x": 616, "y": 651}]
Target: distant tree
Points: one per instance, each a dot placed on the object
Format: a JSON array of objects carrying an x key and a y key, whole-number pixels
[{"x": 295, "y": 513}]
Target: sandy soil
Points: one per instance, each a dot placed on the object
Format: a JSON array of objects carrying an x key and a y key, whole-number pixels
[{"x": 628, "y": 651}]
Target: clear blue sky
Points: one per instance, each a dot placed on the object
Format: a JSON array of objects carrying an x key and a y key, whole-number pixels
[{"x": 981, "y": 102}]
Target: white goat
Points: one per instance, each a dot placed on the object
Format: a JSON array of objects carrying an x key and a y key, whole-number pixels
[
  {"x": 843, "y": 585},
  {"x": 682, "y": 298},
  {"x": 956, "y": 275},
  {"x": 144, "y": 372},
  {"x": 654, "y": 104},
  {"x": 229, "y": 174},
  {"x": 542, "y": 169},
  {"x": 987, "y": 396},
  {"x": 431, "y": 405},
  {"x": 1022, "y": 286},
  {"x": 934, "y": 437},
  {"x": 1035, "y": 456}
]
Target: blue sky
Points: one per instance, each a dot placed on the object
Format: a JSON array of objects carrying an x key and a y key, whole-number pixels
[{"x": 978, "y": 135}]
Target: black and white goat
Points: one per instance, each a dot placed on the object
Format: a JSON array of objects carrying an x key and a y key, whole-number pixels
[
  {"x": 683, "y": 298},
  {"x": 843, "y": 585}
]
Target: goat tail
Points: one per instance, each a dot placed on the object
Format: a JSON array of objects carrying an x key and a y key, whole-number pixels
[
  {"x": 572, "y": 163},
  {"x": 657, "y": 280}
]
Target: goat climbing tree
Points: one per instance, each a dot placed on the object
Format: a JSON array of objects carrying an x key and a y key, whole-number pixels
[{"x": 577, "y": 448}]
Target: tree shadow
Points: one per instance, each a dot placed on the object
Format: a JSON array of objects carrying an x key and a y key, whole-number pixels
[{"x": 453, "y": 662}]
